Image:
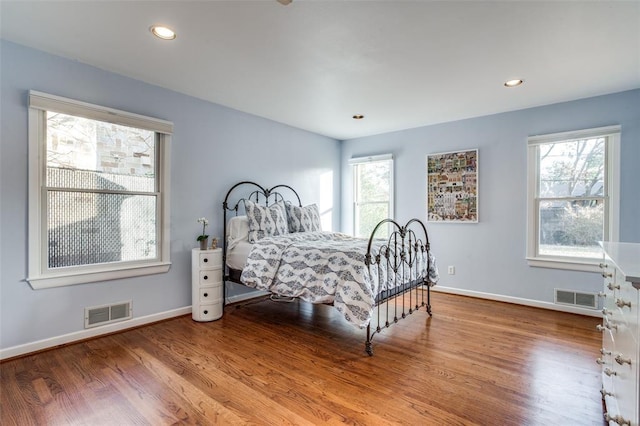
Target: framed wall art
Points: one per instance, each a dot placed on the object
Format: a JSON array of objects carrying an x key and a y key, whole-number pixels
[{"x": 452, "y": 187}]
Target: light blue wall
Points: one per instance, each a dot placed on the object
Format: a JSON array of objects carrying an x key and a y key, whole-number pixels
[
  {"x": 490, "y": 256},
  {"x": 213, "y": 147}
]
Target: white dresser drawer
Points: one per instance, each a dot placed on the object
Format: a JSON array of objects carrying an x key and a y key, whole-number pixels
[
  {"x": 210, "y": 277},
  {"x": 211, "y": 294},
  {"x": 211, "y": 259},
  {"x": 209, "y": 312}
]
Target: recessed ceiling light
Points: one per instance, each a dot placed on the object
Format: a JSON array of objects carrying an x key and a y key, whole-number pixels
[
  {"x": 513, "y": 83},
  {"x": 163, "y": 32},
  {"x": 358, "y": 117}
]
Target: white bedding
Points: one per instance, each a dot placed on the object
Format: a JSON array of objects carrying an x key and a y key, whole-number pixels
[
  {"x": 324, "y": 267},
  {"x": 238, "y": 245},
  {"x": 319, "y": 267},
  {"x": 237, "y": 255}
]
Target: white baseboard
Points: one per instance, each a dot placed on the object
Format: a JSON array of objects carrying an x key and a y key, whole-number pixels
[
  {"x": 89, "y": 333},
  {"x": 520, "y": 301}
]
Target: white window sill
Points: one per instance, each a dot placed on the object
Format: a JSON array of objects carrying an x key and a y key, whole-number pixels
[
  {"x": 72, "y": 278},
  {"x": 571, "y": 265}
]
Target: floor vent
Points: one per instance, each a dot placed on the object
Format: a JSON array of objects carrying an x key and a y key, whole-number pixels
[
  {"x": 570, "y": 297},
  {"x": 107, "y": 314}
]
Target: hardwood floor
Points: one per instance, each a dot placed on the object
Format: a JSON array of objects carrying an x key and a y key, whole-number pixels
[{"x": 475, "y": 362}]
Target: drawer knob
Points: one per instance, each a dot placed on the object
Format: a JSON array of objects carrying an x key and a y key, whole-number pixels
[
  {"x": 612, "y": 326},
  {"x": 599, "y": 361},
  {"x": 603, "y": 265},
  {"x": 205, "y": 260},
  {"x": 612, "y": 287},
  {"x": 621, "y": 360},
  {"x": 599, "y": 327},
  {"x": 206, "y": 295},
  {"x": 206, "y": 277},
  {"x": 603, "y": 351},
  {"x": 609, "y": 372},
  {"x": 206, "y": 312},
  {"x": 607, "y": 274},
  {"x": 617, "y": 419},
  {"x": 605, "y": 393},
  {"x": 605, "y": 311},
  {"x": 621, "y": 303},
  {"x": 602, "y": 294}
]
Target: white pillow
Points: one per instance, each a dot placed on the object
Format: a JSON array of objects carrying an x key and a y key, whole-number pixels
[{"x": 237, "y": 230}]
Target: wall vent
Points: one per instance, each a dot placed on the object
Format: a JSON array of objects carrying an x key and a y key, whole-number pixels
[
  {"x": 570, "y": 297},
  {"x": 107, "y": 314}
]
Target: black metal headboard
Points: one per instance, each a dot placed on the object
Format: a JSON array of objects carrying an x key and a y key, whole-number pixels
[{"x": 247, "y": 190}]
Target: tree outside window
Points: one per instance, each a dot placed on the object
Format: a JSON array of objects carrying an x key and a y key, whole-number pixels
[
  {"x": 373, "y": 191},
  {"x": 572, "y": 197},
  {"x": 572, "y": 181}
]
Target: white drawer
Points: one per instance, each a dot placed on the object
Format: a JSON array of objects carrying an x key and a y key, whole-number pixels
[
  {"x": 211, "y": 294},
  {"x": 209, "y": 312},
  {"x": 625, "y": 397},
  {"x": 626, "y": 303},
  {"x": 211, "y": 259},
  {"x": 610, "y": 300},
  {"x": 611, "y": 405},
  {"x": 211, "y": 277},
  {"x": 606, "y": 355}
]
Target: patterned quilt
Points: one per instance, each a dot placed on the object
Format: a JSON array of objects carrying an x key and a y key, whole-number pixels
[{"x": 325, "y": 267}]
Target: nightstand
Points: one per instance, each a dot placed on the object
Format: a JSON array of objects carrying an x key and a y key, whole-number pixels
[{"x": 207, "y": 298}]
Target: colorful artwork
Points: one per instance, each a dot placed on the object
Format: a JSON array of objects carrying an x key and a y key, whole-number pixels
[{"x": 452, "y": 187}]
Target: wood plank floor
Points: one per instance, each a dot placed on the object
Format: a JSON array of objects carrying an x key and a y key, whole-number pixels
[{"x": 475, "y": 362}]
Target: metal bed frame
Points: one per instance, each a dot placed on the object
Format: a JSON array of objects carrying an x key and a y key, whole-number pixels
[{"x": 398, "y": 255}]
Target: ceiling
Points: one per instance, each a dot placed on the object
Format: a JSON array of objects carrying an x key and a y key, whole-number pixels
[{"x": 314, "y": 64}]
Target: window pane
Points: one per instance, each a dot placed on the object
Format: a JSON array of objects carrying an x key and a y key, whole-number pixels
[
  {"x": 572, "y": 169},
  {"x": 571, "y": 228},
  {"x": 368, "y": 217},
  {"x": 90, "y": 154},
  {"x": 373, "y": 181},
  {"x": 86, "y": 228},
  {"x": 87, "y": 179}
]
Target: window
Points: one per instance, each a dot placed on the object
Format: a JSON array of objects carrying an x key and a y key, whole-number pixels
[
  {"x": 373, "y": 193},
  {"x": 98, "y": 193},
  {"x": 572, "y": 197}
]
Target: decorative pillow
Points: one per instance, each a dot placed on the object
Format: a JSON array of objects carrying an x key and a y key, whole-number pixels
[
  {"x": 266, "y": 221},
  {"x": 303, "y": 219}
]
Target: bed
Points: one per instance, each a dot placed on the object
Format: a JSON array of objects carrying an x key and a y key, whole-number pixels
[{"x": 275, "y": 244}]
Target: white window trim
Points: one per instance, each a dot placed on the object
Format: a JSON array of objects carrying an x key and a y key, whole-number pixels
[
  {"x": 372, "y": 159},
  {"x": 38, "y": 276},
  {"x": 613, "y": 187}
]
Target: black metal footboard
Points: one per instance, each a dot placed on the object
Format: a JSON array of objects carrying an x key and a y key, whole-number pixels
[{"x": 401, "y": 264}]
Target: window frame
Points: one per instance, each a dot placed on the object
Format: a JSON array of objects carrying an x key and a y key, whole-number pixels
[
  {"x": 611, "y": 198},
  {"x": 358, "y": 161},
  {"x": 39, "y": 275}
]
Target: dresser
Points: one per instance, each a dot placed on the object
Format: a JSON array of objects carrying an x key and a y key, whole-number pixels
[
  {"x": 207, "y": 297},
  {"x": 620, "y": 351}
]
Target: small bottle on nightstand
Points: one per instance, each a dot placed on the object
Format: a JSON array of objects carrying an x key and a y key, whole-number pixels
[{"x": 207, "y": 298}]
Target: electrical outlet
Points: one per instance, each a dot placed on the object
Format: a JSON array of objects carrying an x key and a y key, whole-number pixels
[{"x": 451, "y": 270}]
